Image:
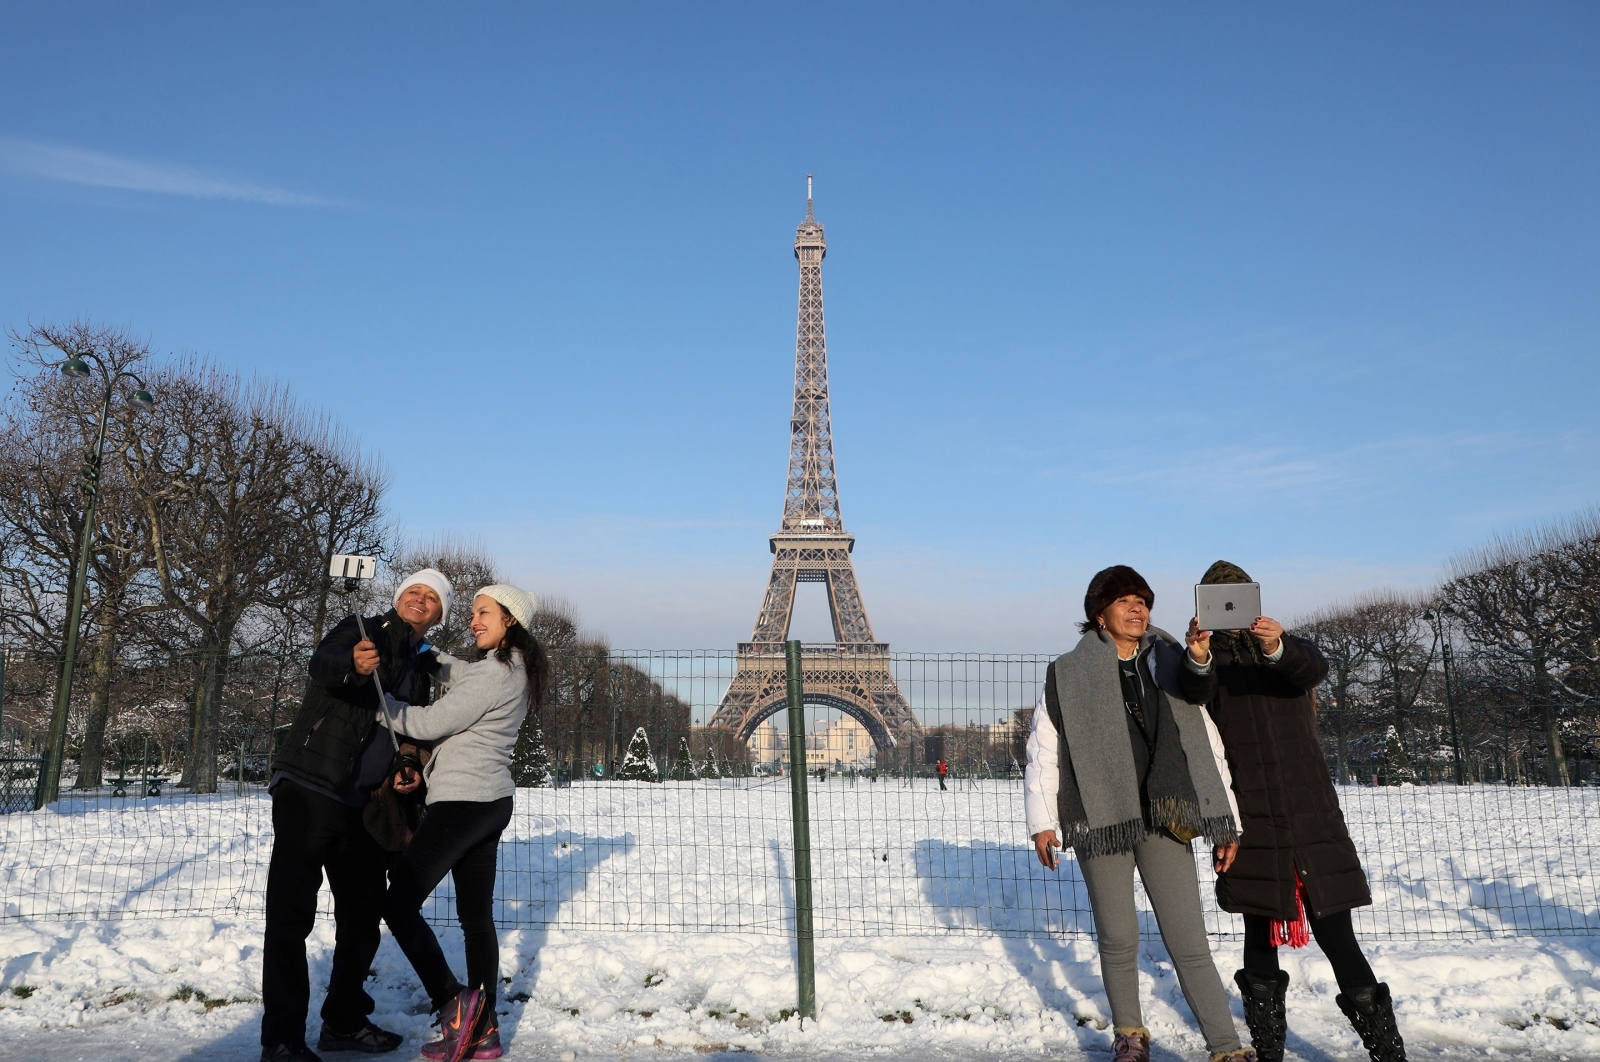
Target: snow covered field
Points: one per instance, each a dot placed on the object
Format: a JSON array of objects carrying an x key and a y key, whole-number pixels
[{"x": 647, "y": 919}]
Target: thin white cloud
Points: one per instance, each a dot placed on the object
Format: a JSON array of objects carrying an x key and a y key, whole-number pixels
[
  {"x": 94, "y": 168},
  {"x": 1258, "y": 471}
]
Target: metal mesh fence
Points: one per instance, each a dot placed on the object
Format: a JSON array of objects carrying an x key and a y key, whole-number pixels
[{"x": 709, "y": 848}]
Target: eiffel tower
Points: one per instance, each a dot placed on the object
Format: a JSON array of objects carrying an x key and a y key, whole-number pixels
[{"x": 850, "y": 673}]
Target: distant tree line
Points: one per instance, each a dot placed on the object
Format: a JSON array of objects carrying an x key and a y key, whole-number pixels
[
  {"x": 1520, "y": 623},
  {"x": 217, "y": 515},
  {"x": 219, "y": 510}
]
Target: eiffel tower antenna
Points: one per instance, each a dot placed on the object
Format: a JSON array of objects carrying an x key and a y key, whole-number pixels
[{"x": 851, "y": 673}]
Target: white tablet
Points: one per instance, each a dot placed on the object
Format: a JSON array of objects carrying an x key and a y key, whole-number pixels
[{"x": 1227, "y": 606}]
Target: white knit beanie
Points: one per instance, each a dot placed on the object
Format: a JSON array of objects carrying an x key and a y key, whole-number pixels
[
  {"x": 434, "y": 580},
  {"x": 519, "y": 603}
]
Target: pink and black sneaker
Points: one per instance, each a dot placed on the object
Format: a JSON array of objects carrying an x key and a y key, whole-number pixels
[{"x": 457, "y": 1022}]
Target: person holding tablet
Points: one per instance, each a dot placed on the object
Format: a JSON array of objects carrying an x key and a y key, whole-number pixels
[
  {"x": 1296, "y": 873},
  {"x": 1125, "y": 768}
]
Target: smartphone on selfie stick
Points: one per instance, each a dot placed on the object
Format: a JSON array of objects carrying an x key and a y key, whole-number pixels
[{"x": 352, "y": 569}]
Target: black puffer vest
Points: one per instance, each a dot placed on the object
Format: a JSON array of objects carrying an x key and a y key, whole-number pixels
[{"x": 340, "y": 705}]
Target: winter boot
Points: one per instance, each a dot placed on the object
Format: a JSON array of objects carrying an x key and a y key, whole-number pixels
[
  {"x": 1264, "y": 1011},
  {"x": 1371, "y": 1011},
  {"x": 1131, "y": 1045},
  {"x": 1244, "y": 1054}
]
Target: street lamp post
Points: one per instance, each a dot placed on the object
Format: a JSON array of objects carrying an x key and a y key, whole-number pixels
[
  {"x": 77, "y": 366},
  {"x": 1442, "y": 631}
]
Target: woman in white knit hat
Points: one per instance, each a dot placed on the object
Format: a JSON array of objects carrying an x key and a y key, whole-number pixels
[{"x": 468, "y": 806}]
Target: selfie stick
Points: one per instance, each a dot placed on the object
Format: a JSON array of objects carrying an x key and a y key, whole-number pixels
[
  {"x": 383, "y": 705},
  {"x": 352, "y": 570}
]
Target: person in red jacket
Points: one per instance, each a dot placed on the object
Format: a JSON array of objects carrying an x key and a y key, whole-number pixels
[{"x": 943, "y": 769}]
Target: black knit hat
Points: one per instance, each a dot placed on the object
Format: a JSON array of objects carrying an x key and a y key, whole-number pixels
[{"x": 1108, "y": 584}]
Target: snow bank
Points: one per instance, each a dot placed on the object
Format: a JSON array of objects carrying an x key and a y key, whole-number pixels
[
  {"x": 888, "y": 857},
  {"x": 646, "y": 919},
  {"x": 188, "y": 988}
]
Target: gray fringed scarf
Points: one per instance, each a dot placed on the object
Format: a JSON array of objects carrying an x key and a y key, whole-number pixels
[{"x": 1099, "y": 801}]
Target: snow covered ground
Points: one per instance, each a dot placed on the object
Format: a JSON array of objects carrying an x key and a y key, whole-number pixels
[{"x": 654, "y": 920}]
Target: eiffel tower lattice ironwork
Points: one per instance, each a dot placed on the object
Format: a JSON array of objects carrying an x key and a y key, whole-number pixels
[{"x": 852, "y": 672}]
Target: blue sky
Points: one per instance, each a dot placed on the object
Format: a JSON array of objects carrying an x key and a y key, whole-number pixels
[{"x": 1311, "y": 288}]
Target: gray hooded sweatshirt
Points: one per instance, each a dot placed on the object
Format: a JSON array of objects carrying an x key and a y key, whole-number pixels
[{"x": 477, "y": 717}]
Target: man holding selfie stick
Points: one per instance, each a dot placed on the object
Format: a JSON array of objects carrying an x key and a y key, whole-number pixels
[
  {"x": 1296, "y": 874},
  {"x": 332, "y": 759}
]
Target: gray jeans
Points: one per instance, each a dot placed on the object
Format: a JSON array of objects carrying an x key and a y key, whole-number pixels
[{"x": 1167, "y": 870}]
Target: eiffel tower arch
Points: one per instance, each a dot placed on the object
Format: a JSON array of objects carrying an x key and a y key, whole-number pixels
[{"x": 851, "y": 673}]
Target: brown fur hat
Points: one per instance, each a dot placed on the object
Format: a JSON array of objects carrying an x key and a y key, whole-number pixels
[{"x": 1108, "y": 584}]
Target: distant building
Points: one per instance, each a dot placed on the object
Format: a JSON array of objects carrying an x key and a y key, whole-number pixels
[
  {"x": 1003, "y": 732},
  {"x": 842, "y": 744},
  {"x": 838, "y": 744},
  {"x": 768, "y": 744}
]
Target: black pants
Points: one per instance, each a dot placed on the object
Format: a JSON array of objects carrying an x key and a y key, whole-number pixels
[
  {"x": 457, "y": 837},
  {"x": 1335, "y": 936},
  {"x": 312, "y": 832}
]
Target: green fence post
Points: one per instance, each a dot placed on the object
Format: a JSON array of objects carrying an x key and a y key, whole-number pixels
[{"x": 802, "y": 832}]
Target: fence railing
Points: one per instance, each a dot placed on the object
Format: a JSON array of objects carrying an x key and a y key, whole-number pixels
[{"x": 894, "y": 850}]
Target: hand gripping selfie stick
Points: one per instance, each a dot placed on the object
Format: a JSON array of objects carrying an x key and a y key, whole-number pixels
[{"x": 352, "y": 570}]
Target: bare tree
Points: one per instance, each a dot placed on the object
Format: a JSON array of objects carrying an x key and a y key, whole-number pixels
[
  {"x": 1572, "y": 551},
  {"x": 556, "y": 624},
  {"x": 1394, "y": 631},
  {"x": 217, "y": 473},
  {"x": 339, "y": 501},
  {"x": 579, "y": 663},
  {"x": 1528, "y": 597},
  {"x": 1341, "y": 635},
  {"x": 45, "y": 432}
]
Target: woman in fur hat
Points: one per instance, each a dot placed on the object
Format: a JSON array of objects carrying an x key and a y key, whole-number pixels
[
  {"x": 469, "y": 796},
  {"x": 1125, "y": 768},
  {"x": 1296, "y": 875}
]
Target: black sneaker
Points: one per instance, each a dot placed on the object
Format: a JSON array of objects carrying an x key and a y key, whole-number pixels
[
  {"x": 369, "y": 1039},
  {"x": 289, "y": 1053}
]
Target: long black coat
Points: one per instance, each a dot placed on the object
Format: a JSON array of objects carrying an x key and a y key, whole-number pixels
[{"x": 1291, "y": 814}]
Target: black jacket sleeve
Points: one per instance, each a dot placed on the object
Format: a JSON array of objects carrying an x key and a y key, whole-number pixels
[
  {"x": 1302, "y": 663},
  {"x": 1195, "y": 687},
  {"x": 333, "y": 664}
]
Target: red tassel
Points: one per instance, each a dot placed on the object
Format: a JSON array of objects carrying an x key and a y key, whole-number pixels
[{"x": 1296, "y": 934}]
